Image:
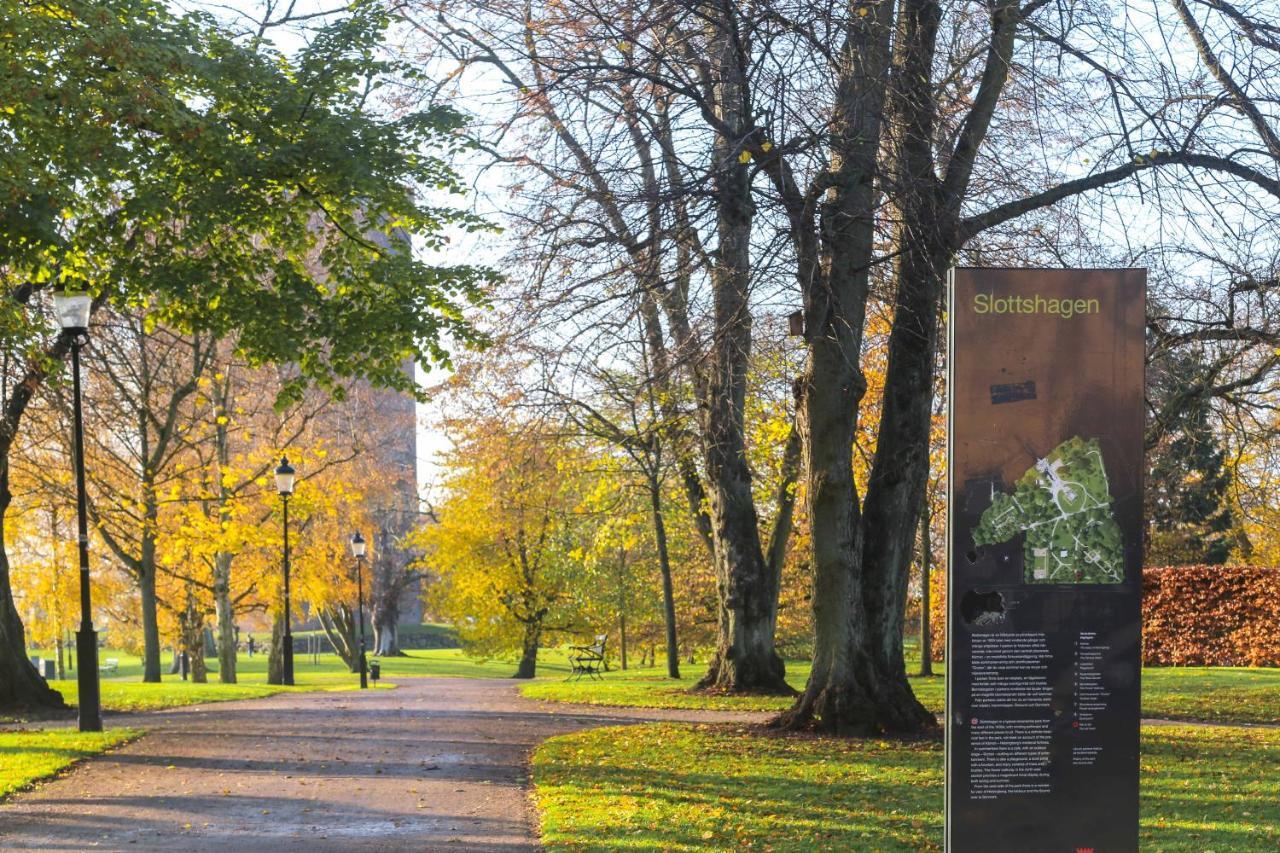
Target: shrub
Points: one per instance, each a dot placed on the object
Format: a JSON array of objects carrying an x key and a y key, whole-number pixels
[
  {"x": 938, "y": 613},
  {"x": 1211, "y": 616}
]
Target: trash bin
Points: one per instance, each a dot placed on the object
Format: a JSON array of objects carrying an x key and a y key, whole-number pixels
[{"x": 375, "y": 670}]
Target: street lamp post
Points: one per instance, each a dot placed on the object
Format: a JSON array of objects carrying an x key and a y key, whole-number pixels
[
  {"x": 284, "y": 485},
  {"x": 73, "y": 315},
  {"x": 357, "y": 551}
]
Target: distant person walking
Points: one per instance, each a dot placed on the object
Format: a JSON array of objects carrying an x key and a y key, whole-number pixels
[{"x": 251, "y": 644}]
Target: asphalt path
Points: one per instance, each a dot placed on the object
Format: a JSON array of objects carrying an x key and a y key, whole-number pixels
[{"x": 436, "y": 764}]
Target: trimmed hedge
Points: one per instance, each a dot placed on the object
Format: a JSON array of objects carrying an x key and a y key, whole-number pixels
[{"x": 1211, "y": 616}]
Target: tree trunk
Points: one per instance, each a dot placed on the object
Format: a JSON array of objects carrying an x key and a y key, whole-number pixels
[
  {"x": 390, "y": 581},
  {"x": 745, "y": 658},
  {"x": 386, "y": 620},
  {"x": 225, "y": 612},
  {"x": 386, "y": 640},
  {"x": 529, "y": 655},
  {"x": 668, "y": 588},
  {"x": 22, "y": 690},
  {"x": 926, "y": 556},
  {"x": 899, "y": 475},
  {"x": 150, "y": 624},
  {"x": 850, "y": 689},
  {"x": 275, "y": 655},
  {"x": 191, "y": 622},
  {"x": 224, "y": 608},
  {"x": 900, "y": 469},
  {"x": 874, "y": 682},
  {"x": 779, "y": 539},
  {"x": 622, "y": 639},
  {"x": 339, "y": 626}
]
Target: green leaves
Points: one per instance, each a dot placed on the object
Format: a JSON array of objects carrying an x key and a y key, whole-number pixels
[{"x": 229, "y": 189}]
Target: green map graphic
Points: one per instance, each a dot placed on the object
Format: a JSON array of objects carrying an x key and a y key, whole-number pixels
[{"x": 1063, "y": 505}]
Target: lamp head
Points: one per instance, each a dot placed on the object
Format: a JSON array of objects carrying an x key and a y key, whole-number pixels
[
  {"x": 73, "y": 311},
  {"x": 284, "y": 477},
  {"x": 357, "y": 545}
]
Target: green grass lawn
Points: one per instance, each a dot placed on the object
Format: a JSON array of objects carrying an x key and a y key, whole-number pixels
[
  {"x": 28, "y": 756},
  {"x": 679, "y": 787},
  {"x": 1223, "y": 694},
  {"x": 136, "y": 696},
  {"x": 452, "y": 663},
  {"x": 125, "y": 692}
]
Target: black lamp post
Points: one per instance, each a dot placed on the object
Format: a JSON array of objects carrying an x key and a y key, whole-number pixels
[
  {"x": 284, "y": 485},
  {"x": 73, "y": 316},
  {"x": 357, "y": 551}
]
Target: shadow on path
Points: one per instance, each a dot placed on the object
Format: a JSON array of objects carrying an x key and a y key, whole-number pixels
[{"x": 437, "y": 764}]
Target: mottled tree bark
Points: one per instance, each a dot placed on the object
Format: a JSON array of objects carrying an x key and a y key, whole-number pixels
[
  {"x": 191, "y": 625},
  {"x": 275, "y": 654},
  {"x": 226, "y": 616}
]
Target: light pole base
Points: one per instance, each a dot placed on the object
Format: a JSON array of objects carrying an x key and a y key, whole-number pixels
[
  {"x": 364, "y": 671},
  {"x": 90, "y": 693}
]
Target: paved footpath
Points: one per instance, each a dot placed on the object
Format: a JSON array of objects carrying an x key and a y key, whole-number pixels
[{"x": 436, "y": 764}]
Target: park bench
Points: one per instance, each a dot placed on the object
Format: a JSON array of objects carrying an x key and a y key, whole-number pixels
[
  {"x": 110, "y": 666},
  {"x": 587, "y": 660}
]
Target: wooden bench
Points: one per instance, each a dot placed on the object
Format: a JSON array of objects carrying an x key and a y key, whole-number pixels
[
  {"x": 110, "y": 666},
  {"x": 587, "y": 660}
]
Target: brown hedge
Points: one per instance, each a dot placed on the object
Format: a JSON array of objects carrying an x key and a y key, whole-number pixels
[
  {"x": 1211, "y": 616},
  {"x": 1191, "y": 616}
]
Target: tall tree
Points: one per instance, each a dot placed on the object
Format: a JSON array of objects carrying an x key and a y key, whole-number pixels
[
  {"x": 1188, "y": 483},
  {"x": 156, "y": 160},
  {"x": 502, "y": 551},
  {"x": 610, "y": 145}
]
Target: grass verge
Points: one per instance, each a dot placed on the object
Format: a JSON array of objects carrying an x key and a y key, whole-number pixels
[
  {"x": 681, "y": 787},
  {"x": 27, "y": 757},
  {"x": 124, "y": 696}
]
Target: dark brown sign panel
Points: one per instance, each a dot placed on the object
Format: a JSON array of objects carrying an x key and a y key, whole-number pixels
[{"x": 1045, "y": 539}]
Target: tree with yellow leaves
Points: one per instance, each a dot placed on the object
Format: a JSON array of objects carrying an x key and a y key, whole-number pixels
[{"x": 506, "y": 547}]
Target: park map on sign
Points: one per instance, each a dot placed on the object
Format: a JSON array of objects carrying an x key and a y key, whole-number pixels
[{"x": 1063, "y": 505}]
